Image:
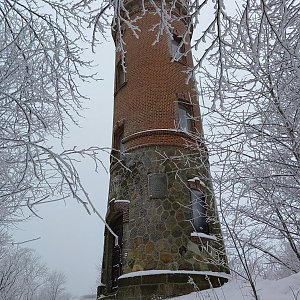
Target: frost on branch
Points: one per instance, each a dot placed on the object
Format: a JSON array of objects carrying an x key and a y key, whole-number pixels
[
  {"x": 255, "y": 134},
  {"x": 40, "y": 67},
  {"x": 121, "y": 15}
]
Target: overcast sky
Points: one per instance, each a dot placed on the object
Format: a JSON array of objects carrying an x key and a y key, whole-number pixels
[{"x": 71, "y": 240}]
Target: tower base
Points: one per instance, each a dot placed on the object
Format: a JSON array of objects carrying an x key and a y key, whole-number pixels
[{"x": 156, "y": 285}]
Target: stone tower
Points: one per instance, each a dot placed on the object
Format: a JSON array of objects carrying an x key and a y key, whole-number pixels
[{"x": 161, "y": 205}]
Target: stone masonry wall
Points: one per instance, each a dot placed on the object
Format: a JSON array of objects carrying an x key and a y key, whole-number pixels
[{"x": 157, "y": 235}]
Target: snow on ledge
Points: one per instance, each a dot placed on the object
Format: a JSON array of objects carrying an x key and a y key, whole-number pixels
[
  {"x": 172, "y": 272},
  {"x": 119, "y": 200},
  {"x": 204, "y": 235},
  {"x": 196, "y": 179},
  {"x": 122, "y": 201}
]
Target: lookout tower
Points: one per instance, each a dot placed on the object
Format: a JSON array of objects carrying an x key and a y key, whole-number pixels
[{"x": 161, "y": 204}]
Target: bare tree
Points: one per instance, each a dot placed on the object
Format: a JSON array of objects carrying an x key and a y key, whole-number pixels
[
  {"x": 54, "y": 287},
  {"x": 117, "y": 15},
  {"x": 40, "y": 69},
  {"x": 24, "y": 277},
  {"x": 253, "y": 73},
  {"x": 21, "y": 273}
]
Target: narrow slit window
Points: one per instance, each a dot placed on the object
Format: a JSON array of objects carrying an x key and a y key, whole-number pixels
[
  {"x": 184, "y": 118},
  {"x": 177, "y": 48},
  {"x": 199, "y": 211},
  {"x": 119, "y": 147},
  {"x": 116, "y": 252},
  {"x": 120, "y": 76}
]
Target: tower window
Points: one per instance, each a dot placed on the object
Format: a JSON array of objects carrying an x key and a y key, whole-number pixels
[
  {"x": 185, "y": 117},
  {"x": 118, "y": 143},
  {"x": 120, "y": 76},
  {"x": 177, "y": 49},
  {"x": 199, "y": 211},
  {"x": 121, "y": 147}
]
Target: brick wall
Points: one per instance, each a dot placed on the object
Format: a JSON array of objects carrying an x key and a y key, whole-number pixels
[{"x": 149, "y": 99}]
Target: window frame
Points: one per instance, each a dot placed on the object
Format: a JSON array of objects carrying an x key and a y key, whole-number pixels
[
  {"x": 189, "y": 120},
  {"x": 119, "y": 146},
  {"x": 179, "y": 54},
  {"x": 120, "y": 74}
]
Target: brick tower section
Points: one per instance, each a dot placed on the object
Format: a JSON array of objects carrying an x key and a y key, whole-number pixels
[{"x": 161, "y": 204}]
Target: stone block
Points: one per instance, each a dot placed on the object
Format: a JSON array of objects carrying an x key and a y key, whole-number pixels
[
  {"x": 166, "y": 257},
  {"x": 154, "y": 279},
  {"x": 149, "y": 247}
]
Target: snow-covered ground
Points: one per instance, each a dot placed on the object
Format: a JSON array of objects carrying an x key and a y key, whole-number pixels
[{"x": 283, "y": 289}]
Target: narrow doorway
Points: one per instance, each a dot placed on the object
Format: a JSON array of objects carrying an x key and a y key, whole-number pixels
[{"x": 116, "y": 270}]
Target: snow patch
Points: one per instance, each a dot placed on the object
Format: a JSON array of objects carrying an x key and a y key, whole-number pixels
[
  {"x": 197, "y": 179},
  {"x": 119, "y": 200},
  {"x": 167, "y": 272},
  {"x": 238, "y": 289},
  {"x": 122, "y": 201},
  {"x": 194, "y": 179},
  {"x": 204, "y": 235}
]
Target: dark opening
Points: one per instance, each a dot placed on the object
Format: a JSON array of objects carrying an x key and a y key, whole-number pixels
[
  {"x": 120, "y": 76},
  {"x": 116, "y": 270},
  {"x": 199, "y": 211},
  {"x": 119, "y": 147}
]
